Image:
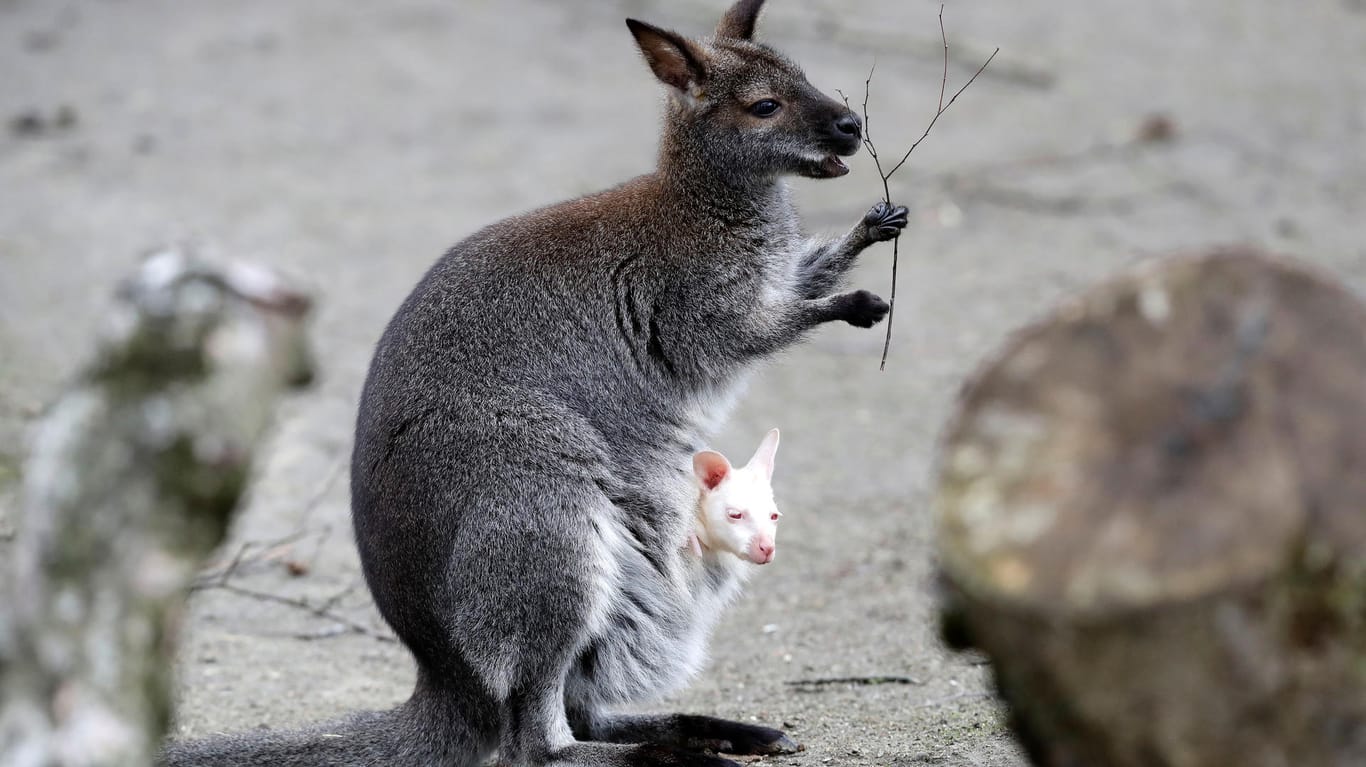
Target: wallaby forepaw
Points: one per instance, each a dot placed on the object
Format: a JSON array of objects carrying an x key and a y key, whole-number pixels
[
  {"x": 885, "y": 222},
  {"x": 863, "y": 309}
]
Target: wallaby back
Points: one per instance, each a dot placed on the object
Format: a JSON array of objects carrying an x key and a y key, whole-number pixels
[{"x": 521, "y": 475}]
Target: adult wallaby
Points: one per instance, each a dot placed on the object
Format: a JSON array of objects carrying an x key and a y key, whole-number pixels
[{"x": 522, "y": 468}]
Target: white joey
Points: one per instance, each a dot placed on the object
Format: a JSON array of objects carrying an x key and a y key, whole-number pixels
[{"x": 736, "y": 513}]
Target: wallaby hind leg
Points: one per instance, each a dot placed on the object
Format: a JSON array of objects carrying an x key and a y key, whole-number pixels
[
  {"x": 619, "y": 755},
  {"x": 536, "y": 733},
  {"x": 449, "y": 720},
  {"x": 685, "y": 731},
  {"x": 526, "y": 613}
]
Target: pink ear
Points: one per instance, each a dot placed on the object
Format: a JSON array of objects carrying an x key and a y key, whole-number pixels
[
  {"x": 767, "y": 452},
  {"x": 711, "y": 468}
]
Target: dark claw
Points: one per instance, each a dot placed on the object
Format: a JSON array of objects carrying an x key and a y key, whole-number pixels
[
  {"x": 783, "y": 745},
  {"x": 885, "y": 222},
  {"x": 766, "y": 741}
]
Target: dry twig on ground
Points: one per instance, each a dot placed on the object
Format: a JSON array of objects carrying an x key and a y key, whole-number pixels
[
  {"x": 812, "y": 685},
  {"x": 323, "y": 609}
]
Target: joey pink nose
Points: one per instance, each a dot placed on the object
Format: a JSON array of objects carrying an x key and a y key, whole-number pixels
[{"x": 763, "y": 552}]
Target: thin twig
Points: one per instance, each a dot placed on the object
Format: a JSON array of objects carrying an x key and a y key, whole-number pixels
[
  {"x": 860, "y": 681},
  {"x": 323, "y": 610},
  {"x": 942, "y": 110},
  {"x": 944, "y": 80},
  {"x": 262, "y": 552},
  {"x": 887, "y": 175},
  {"x": 868, "y": 137},
  {"x": 269, "y": 551}
]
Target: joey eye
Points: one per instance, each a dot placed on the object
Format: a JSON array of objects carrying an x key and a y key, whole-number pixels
[
  {"x": 774, "y": 517},
  {"x": 735, "y": 514},
  {"x": 764, "y": 108}
]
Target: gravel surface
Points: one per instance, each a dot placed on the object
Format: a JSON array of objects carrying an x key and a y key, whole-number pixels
[{"x": 350, "y": 142}]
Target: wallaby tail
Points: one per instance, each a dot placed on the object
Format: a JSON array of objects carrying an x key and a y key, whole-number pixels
[
  {"x": 370, "y": 738},
  {"x": 423, "y": 732}
]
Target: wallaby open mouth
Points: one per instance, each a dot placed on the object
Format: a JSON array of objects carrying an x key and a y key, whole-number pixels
[
  {"x": 834, "y": 167},
  {"x": 829, "y": 166}
]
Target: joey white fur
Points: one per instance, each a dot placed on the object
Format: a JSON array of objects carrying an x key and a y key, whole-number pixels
[{"x": 736, "y": 513}]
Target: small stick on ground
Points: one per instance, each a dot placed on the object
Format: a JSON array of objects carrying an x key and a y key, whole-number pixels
[
  {"x": 859, "y": 681},
  {"x": 887, "y": 175},
  {"x": 252, "y": 553},
  {"x": 322, "y": 610}
]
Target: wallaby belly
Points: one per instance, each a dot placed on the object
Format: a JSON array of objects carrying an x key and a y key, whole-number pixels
[{"x": 653, "y": 637}]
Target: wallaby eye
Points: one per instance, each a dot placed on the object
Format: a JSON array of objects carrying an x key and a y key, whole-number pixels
[
  {"x": 764, "y": 108},
  {"x": 735, "y": 514},
  {"x": 774, "y": 517}
]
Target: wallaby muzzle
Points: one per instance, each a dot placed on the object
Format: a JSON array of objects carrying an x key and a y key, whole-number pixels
[{"x": 839, "y": 132}]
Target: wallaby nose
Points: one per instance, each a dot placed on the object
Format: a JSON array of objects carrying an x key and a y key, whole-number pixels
[
  {"x": 764, "y": 552},
  {"x": 849, "y": 124}
]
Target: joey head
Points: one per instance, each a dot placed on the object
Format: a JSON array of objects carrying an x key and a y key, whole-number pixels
[{"x": 736, "y": 513}]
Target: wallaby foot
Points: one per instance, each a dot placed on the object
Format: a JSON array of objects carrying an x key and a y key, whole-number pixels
[
  {"x": 538, "y": 731},
  {"x": 885, "y": 222},
  {"x": 860, "y": 308},
  {"x": 727, "y": 737},
  {"x": 686, "y": 731},
  {"x": 620, "y": 755}
]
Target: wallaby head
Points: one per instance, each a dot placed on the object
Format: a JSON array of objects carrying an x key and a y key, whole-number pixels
[
  {"x": 735, "y": 508},
  {"x": 740, "y": 108}
]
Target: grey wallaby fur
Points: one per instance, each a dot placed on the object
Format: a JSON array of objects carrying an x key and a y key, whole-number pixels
[{"x": 521, "y": 482}]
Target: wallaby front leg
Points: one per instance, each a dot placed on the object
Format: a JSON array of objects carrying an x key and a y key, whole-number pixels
[
  {"x": 779, "y": 327},
  {"x": 860, "y": 308},
  {"x": 821, "y": 269}
]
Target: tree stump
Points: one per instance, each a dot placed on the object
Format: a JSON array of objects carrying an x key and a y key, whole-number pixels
[
  {"x": 1152, "y": 517},
  {"x": 133, "y": 478}
]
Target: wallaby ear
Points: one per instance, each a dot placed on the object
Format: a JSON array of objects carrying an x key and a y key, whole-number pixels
[
  {"x": 674, "y": 59},
  {"x": 767, "y": 452},
  {"x": 711, "y": 468},
  {"x": 739, "y": 21}
]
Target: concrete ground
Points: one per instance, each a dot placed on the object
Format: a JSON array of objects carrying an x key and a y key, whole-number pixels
[{"x": 351, "y": 142}]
